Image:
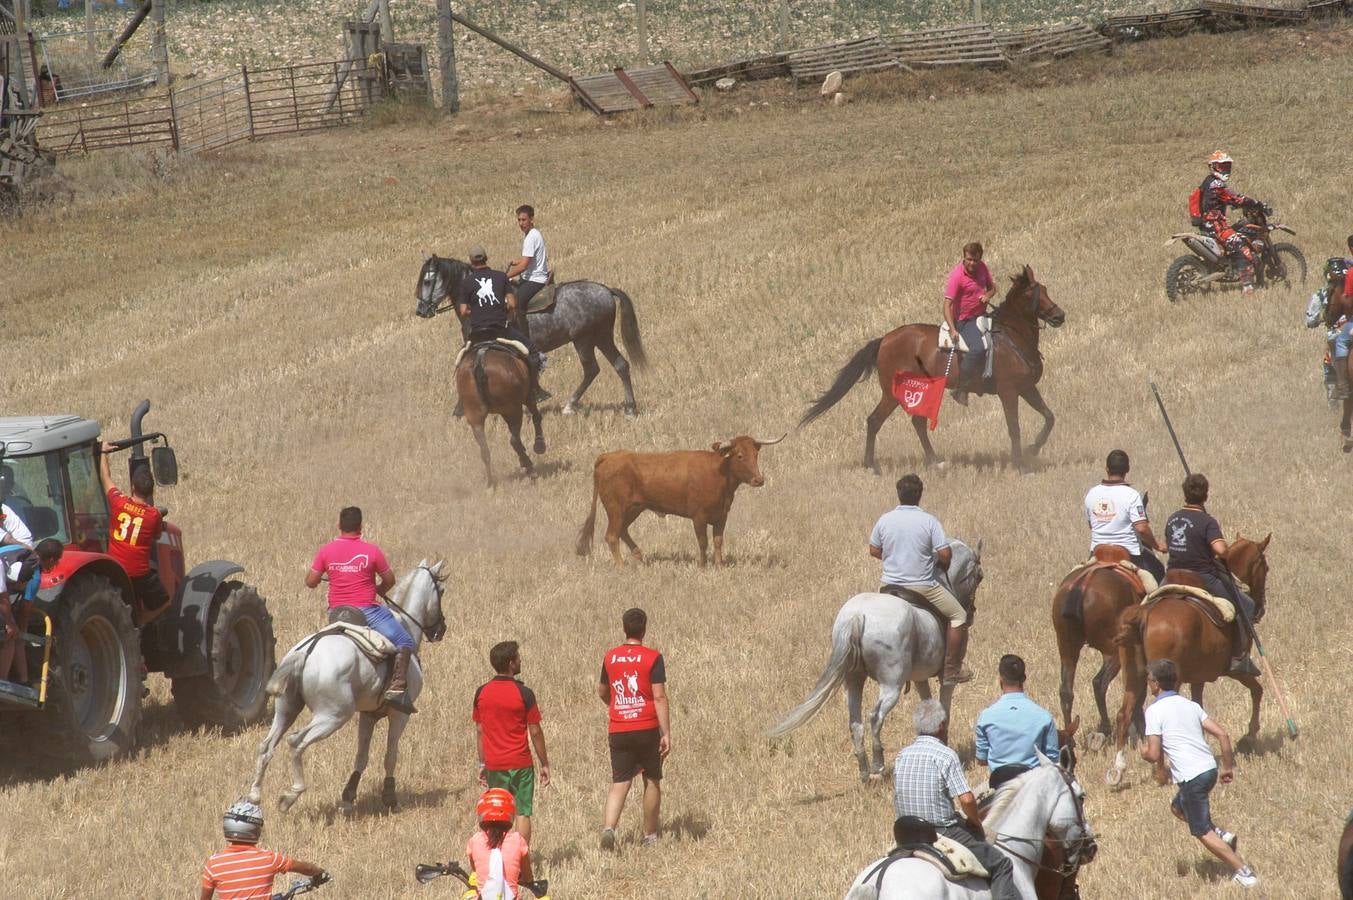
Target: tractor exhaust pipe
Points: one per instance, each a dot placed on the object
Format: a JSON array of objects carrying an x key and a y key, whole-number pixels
[{"x": 138, "y": 458}]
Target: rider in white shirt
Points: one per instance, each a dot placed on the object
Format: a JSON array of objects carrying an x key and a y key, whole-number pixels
[
  {"x": 1117, "y": 515},
  {"x": 532, "y": 268}
]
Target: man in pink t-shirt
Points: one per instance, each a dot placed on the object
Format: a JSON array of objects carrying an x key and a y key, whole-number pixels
[
  {"x": 966, "y": 293},
  {"x": 353, "y": 566}
]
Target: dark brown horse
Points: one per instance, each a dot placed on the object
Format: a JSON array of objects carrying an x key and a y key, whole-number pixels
[
  {"x": 1175, "y": 628},
  {"x": 1341, "y": 305},
  {"x": 1345, "y": 860},
  {"x": 1085, "y": 610},
  {"x": 493, "y": 380},
  {"x": 1016, "y": 368}
]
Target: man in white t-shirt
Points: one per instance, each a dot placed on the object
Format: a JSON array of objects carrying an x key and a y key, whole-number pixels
[
  {"x": 533, "y": 267},
  {"x": 1117, "y": 516},
  {"x": 1176, "y": 727},
  {"x": 912, "y": 546}
]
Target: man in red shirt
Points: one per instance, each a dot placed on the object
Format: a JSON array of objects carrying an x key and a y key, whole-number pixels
[
  {"x": 133, "y": 528},
  {"x": 244, "y": 870},
  {"x": 634, "y": 688},
  {"x": 505, "y": 712}
]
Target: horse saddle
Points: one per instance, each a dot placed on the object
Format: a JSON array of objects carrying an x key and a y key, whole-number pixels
[
  {"x": 543, "y": 299},
  {"x": 372, "y": 644},
  {"x": 917, "y": 601},
  {"x": 1111, "y": 556},
  {"x": 917, "y": 839},
  {"x": 504, "y": 344},
  {"x": 946, "y": 340},
  {"x": 1221, "y": 611}
]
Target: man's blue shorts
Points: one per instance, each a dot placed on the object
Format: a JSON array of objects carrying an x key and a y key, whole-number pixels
[
  {"x": 381, "y": 619},
  {"x": 1192, "y": 801}
]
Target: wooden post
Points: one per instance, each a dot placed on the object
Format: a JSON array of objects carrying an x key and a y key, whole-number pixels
[
  {"x": 90, "y": 47},
  {"x": 16, "y": 64},
  {"x": 446, "y": 56},
  {"x": 641, "y": 16},
  {"x": 784, "y": 24},
  {"x": 977, "y": 10},
  {"x": 387, "y": 23},
  {"x": 248, "y": 101},
  {"x": 159, "y": 50}
]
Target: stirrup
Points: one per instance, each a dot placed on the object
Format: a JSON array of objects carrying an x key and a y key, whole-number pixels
[
  {"x": 1243, "y": 665},
  {"x": 400, "y": 701}
]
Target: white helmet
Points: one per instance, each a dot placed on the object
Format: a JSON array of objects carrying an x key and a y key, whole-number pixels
[
  {"x": 243, "y": 822},
  {"x": 1219, "y": 164}
]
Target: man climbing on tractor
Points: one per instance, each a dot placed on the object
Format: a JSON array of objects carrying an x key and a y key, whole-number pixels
[
  {"x": 1207, "y": 210},
  {"x": 134, "y": 524}
]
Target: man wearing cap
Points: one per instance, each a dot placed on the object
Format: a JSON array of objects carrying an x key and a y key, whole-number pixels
[
  {"x": 488, "y": 303},
  {"x": 1012, "y": 731}
]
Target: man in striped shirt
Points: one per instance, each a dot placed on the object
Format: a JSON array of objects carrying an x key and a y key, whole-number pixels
[{"x": 244, "y": 870}]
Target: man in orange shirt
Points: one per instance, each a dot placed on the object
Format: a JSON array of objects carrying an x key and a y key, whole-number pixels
[
  {"x": 133, "y": 528},
  {"x": 244, "y": 870}
]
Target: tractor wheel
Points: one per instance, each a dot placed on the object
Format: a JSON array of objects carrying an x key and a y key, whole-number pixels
[
  {"x": 1182, "y": 277},
  {"x": 94, "y": 691},
  {"x": 240, "y": 658},
  {"x": 1291, "y": 268}
]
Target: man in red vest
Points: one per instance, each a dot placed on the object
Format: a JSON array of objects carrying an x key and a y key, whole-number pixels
[
  {"x": 634, "y": 688},
  {"x": 133, "y": 528}
]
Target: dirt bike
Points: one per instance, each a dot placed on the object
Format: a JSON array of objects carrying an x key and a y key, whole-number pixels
[
  {"x": 1209, "y": 269},
  {"x": 304, "y": 886},
  {"x": 426, "y": 872}
]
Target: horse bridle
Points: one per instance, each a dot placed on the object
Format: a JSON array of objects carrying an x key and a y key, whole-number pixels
[
  {"x": 1077, "y": 851},
  {"x": 448, "y": 301},
  {"x": 436, "y": 630}
]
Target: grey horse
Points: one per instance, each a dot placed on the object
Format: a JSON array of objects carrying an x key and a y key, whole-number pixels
[
  {"x": 885, "y": 638},
  {"x": 583, "y": 314}
]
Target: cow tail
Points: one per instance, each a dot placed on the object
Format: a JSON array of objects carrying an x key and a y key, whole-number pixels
[
  {"x": 481, "y": 380},
  {"x": 846, "y": 656},
  {"x": 629, "y": 328},
  {"x": 589, "y": 529},
  {"x": 851, "y": 374}
]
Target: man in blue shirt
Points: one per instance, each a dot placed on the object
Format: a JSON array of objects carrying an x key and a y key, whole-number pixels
[{"x": 1011, "y": 730}]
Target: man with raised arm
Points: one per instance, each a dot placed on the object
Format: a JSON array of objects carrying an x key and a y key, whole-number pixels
[{"x": 133, "y": 528}]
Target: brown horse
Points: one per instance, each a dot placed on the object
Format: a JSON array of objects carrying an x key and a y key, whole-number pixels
[
  {"x": 1175, "y": 628},
  {"x": 1085, "y": 610},
  {"x": 1016, "y": 368},
  {"x": 1340, "y": 305},
  {"x": 491, "y": 379}
]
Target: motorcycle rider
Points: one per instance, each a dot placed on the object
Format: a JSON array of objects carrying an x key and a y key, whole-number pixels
[{"x": 1215, "y": 198}]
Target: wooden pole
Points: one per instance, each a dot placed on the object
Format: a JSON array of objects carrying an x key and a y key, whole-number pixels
[
  {"x": 784, "y": 24},
  {"x": 641, "y": 16},
  {"x": 111, "y": 56},
  {"x": 446, "y": 56},
  {"x": 159, "y": 49},
  {"x": 387, "y": 23},
  {"x": 90, "y": 47},
  {"x": 977, "y": 10}
]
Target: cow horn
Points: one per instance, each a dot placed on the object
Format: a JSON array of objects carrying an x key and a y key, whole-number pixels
[
  {"x": 721, "y": 446},
  {"x": 763, "y": 443}
]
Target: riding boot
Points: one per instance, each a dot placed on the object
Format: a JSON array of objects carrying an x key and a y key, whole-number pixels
[
  {"x": 1241, "y": 664},
  {"x": 955, "y": 643},
  {"x": 397, "y": 694},
  {"x": 1341, "y": 388}
]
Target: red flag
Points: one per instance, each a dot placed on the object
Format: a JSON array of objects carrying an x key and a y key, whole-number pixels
[{"x": 920, "y": 395}]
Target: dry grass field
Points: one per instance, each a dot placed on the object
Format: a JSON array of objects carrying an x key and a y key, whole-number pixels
[{"x": 263, "y": 299}]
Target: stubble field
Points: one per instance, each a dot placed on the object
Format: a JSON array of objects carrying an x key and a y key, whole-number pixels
[{"x": 263, "y": 300}]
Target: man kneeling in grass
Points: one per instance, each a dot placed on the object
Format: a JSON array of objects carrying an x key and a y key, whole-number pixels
[{"x": 1177, "y": 727}]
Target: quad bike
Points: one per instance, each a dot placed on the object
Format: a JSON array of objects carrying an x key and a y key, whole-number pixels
[
  {"x": 1209, "y": 269},
  {"x": 426, "y": 872}
]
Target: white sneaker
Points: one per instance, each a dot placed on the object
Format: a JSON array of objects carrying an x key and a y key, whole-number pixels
[
  {"x": 1245, "y": 877},
  {"x": 1227, "y": 837}
]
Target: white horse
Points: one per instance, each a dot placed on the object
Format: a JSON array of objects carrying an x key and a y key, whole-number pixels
[
  {"x": 885, "y": 638},
  {"x": 335, "y": 679},
  {"x": 1045, "y": 802}
]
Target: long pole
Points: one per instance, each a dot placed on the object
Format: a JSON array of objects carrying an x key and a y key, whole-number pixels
[
  {"x": 446, "y": 58},
  {"x": 641, "y": 15},
  {"x": 1228, "y": 582}
]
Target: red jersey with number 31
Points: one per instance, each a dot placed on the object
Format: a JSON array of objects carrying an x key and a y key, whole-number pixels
[
  {"x": 133, "y": 529},
  {"x": 630, "y": 671}
]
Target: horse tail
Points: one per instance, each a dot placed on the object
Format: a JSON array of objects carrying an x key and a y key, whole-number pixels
[
  {"x": 1073, "y": 603},
  {"x": 1130, "y": 628},
  {"x": 481, "y": 379},
  {"x": 851, "y": 374},
  {"x": 286, "y": 680},
  {"x": 589, "y": 529},
  {"x": 847, "y": 656},
  {"x": 629, "y": 328}
]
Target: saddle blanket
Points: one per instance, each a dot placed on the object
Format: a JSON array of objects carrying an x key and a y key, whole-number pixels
[
  {"x": 1225, "y": 608},
  {"x": 946, "y": 339},
  {"x": 374, "y": 645},
  {"x": 962, "y": 863},
  {"x": 515, "y": 346},
  {"x": 543, "y": 299},
  {"x": 1134, "y": 572}
]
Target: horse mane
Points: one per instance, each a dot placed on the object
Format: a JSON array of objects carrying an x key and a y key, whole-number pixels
[
  {"x": 1018, "y": 282},
  {"x": 1005, "y": 794}
]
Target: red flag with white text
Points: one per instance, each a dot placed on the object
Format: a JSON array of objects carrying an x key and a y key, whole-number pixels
[{"x": 920, "y": 395}]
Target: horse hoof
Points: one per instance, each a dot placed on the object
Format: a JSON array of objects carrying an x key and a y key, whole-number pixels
[
  {"x": 1113, "y": 777},
  {"x": 287, "y": 801},
  {"x": 568, "y": 409},
  {"x": 1245, "y": 745},
  {"x": 346, "y": 808},
  {"x": 630, "y": 412},
  {"x": 1095, "y": 741},
  {"x": 875, "y": 777},
  {"x": 539, "y": 447}
]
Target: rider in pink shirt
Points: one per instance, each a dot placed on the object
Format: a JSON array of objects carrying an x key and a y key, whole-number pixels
[
  {"x": 966, "y": 293},
  {"x": 352, "y": 566}
]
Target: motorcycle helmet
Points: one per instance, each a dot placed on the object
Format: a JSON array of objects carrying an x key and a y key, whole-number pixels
[
  {"x": 243, "y": 822},
  {"x": 496, "y": 805},
  {"x": 1219, "y": 163}
]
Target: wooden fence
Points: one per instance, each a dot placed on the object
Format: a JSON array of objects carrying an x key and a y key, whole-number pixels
[{"x": 244, "y": 105}]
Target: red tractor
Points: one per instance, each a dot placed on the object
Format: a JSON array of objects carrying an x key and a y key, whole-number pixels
[{"x": 87, "y": 654}]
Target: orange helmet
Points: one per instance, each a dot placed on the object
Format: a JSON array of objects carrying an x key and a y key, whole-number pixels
[
  {"x": 1220, "y": 164},
  {"x": 496, "y": 805}
]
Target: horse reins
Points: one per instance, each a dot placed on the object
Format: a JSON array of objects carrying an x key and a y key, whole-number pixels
[
  {"x": 433, "y": 631},
  {"x": 1073, "y": 857}
]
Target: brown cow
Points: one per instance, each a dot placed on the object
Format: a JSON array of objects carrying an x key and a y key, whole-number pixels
[{"x": 694, "y": 484}]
